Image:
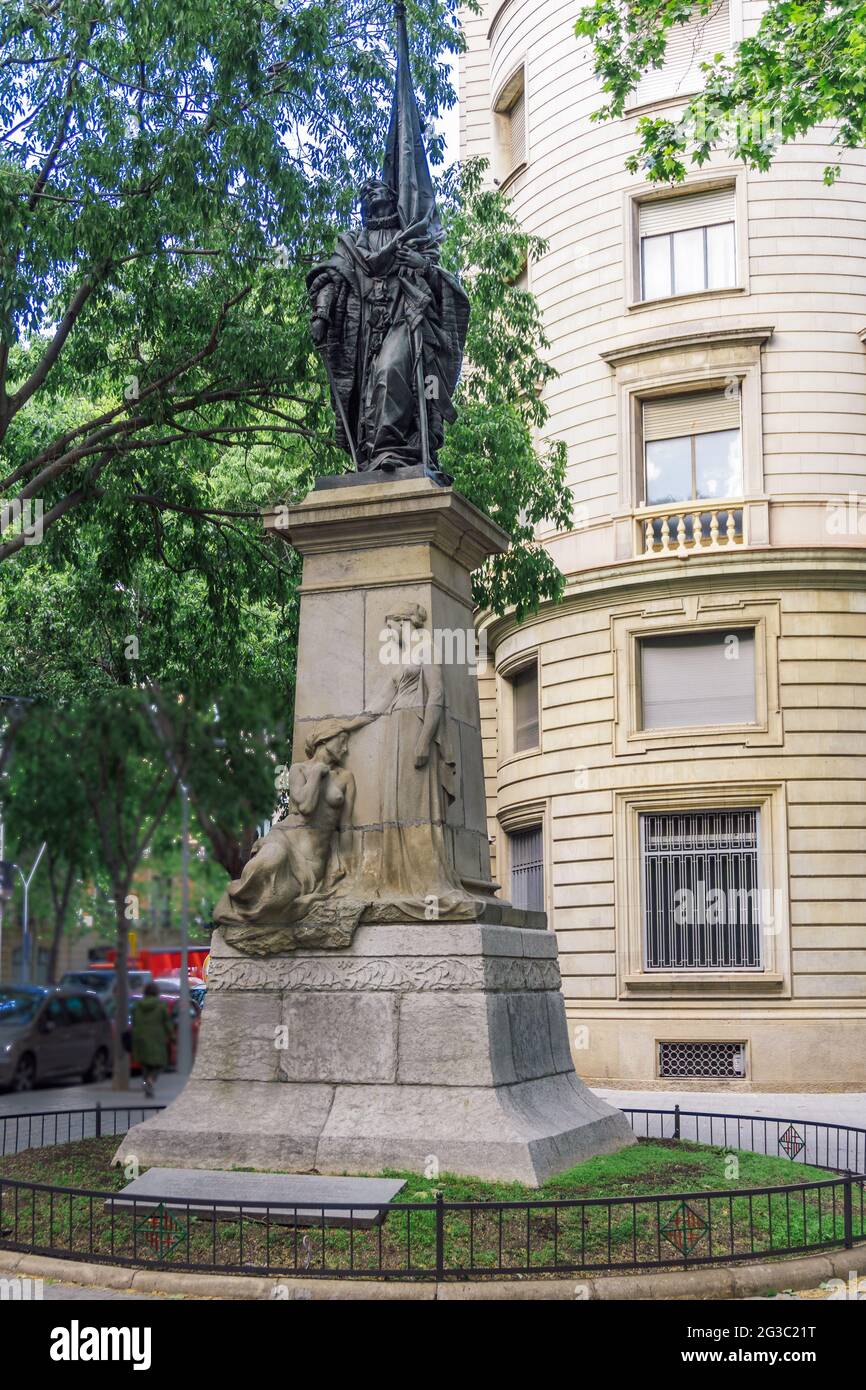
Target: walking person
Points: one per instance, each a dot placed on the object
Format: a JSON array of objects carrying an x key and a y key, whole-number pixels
[{"x": 151, "y": 1034}]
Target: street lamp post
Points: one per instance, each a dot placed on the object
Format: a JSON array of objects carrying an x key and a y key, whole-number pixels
[
  {"x": 184, "y": 1023},
  {"x": 16, "y": 702},
  {"x": 27, "y": 879}
]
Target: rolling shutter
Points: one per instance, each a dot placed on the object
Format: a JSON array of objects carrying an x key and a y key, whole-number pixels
[
  {"x": 699, "y": 412},
  {"x": 517, "y": 124},
  {"x": 698, "y": 680},
  {"x": 688, "y": 45},
  {"x": 690, "y": 210},
  {"x": 525, "y": 687}
]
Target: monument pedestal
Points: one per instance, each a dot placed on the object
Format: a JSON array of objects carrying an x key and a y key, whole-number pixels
[
  {"x": 372, "y": 1003},
  {"x": 436, "y": 1048}
]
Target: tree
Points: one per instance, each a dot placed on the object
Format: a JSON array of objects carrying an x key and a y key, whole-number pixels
[
  {"x": 169, "y": 169},
  {"x": 200, "y": 636},
  {"x": 805, "y": 67},
  {"x": 45, "y": 791},
  {"x": 229, "y": 751},
  {"x": 163, "y": 161},
  {"x": 125, "y": 790},
  {"x": 167, "y": 174}
]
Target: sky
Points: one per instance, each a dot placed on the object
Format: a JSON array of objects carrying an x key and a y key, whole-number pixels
[{"x": 450, "y": 120}]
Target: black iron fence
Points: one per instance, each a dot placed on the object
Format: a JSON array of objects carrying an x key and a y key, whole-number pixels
[
  {"x": 817, "y": 1143},
  {"x": 40, "y": 1128},
  {"x": 452, "y": 1239}
]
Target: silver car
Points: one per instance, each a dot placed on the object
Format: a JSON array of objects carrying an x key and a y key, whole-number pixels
[{"x": 48, "y": 1033}]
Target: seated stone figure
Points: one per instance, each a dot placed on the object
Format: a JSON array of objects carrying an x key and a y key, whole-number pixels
[{"x": 305, "y": 855}]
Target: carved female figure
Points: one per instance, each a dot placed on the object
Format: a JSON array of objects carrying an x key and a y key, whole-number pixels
[
  {"x": 306, "y": 854},
  {"x": 415, "y": 872}
]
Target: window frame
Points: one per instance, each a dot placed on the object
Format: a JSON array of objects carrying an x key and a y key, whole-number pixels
[
  {"x": 634, "y": 200},
  {"x": 505, "y": 676},
  {"x": 507, "y": 95},
  {"x": 689, "y": 362},
  {"x": 698, "y": 970},
  {"x": 530, "y": 668},
  {"x": 527, "y": 815},
  {"x": 707, "y": 504},
  {"x": 747, "y": 442},
  {"x": 635, "y": 106},
  {"x": 702, "y": 227},
  {"x": 537, "y": 828},
  {"x": 774, "y": 975},
  {"x": 700, "y": 614},
  {"x": 651, "y": 731}
]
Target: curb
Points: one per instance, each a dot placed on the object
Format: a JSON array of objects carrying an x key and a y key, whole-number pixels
[{"x": 727, "y": 1282}]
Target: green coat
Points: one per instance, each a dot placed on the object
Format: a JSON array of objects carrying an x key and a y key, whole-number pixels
[{"x": 151, "y": 1030}]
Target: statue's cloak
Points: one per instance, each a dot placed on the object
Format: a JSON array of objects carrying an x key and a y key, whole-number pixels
[{"x": 435, "y": 304}]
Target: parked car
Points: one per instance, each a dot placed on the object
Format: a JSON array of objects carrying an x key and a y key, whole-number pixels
[
  {"x": 101, "y": 981},
  {"x": 170, "y": 984},
  {"x": 195, "y": 1027},
  {"x": 49, "y": 1032},
  {"x": 172, "y": 1001}
]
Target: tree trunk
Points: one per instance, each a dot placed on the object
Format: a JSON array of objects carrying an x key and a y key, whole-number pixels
[
  {"x": 60, "y": 894},
  {"x": 120, "y": 1075}
]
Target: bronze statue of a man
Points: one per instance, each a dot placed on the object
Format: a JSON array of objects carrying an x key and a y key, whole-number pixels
[{"x": 389, "y": 321}]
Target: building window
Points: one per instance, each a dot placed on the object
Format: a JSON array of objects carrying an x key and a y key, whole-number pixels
[
  {"x": 509, "y": 121},
  {"x": 527, "y": 868},
  {"x": 687, "y": 47},
  {"x": 687, "y": 244},
  {"x": 692, "y": 447},
  {"x": 524, "y": 707},
  {"x": 701, "y": 890},
  {"x": 698, "y": 679}
]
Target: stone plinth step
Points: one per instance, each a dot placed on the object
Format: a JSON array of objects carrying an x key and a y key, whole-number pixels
[{"x": 293, "y": 1199}]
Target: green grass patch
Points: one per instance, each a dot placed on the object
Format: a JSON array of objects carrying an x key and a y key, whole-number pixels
[{"x": 489, "y": 1237}]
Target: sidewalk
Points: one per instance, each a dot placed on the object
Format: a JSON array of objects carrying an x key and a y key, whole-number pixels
[
  {"x": 839, "y": 1108},
  {"x": 81, "y": 1097}
]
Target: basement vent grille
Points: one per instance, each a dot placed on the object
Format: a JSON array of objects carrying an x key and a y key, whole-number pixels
[{"x": 702, "y": 1059}]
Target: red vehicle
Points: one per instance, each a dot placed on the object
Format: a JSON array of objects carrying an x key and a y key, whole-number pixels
[{"x": 159, "y": 960}]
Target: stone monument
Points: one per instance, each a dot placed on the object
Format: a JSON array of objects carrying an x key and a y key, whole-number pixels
[{"x": 372, "y": 1002}]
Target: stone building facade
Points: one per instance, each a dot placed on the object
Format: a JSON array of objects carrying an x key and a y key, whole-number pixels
[{"x": 675, "y": 755}]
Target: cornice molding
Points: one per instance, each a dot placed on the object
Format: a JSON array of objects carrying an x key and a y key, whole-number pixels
[
  {"x": 367, "y": 516},
  {"x": 748, "y": 570},
  {"x": 708, "y": 337}
]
